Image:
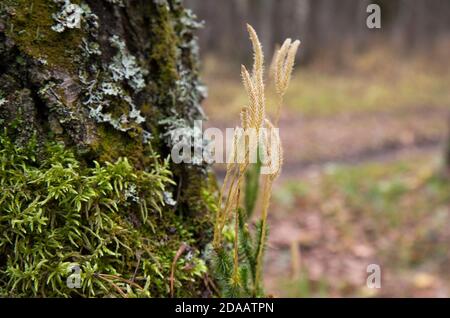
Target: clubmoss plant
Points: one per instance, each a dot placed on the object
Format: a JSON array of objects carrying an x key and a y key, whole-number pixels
[{"x": 239, "y": 260}]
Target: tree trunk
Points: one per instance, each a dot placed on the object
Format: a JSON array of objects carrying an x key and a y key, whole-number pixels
[{"x": 111, "y": 79}]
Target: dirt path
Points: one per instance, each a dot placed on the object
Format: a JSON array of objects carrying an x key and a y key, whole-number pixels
[
  {"x": 312, "y": 143},
  {"x": 386, "y": 154}
]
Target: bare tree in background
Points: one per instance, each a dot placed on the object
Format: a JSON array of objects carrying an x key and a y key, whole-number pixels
[{"x": 324, "y": 26}]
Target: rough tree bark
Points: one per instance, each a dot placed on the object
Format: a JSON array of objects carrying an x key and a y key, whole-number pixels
[{"x": 111, "y": 79}]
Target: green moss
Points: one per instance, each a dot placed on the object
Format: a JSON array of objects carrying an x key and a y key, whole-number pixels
[
  {"x": 108, "y": 219},
  {"x": 113, "y": 144},
  {"x": 90, "y": 221},
  {"x": 163, "y": 51},
  {"x": 147, "y": 110},
  {"x": 30, "y": 23}
]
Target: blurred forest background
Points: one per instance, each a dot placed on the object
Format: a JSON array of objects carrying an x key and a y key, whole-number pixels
[
  {"x": 364, "y": 128},
  {"x": 326, "y": 27}
]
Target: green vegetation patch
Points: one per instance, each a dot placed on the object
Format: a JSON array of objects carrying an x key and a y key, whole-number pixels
[
  {"x": 108, "y": 222},
  {"x": 30, "y": 26}
]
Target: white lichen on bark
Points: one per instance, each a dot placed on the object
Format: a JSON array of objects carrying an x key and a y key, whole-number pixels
[
  {"x": 125, "y": 67},
  {"x": 69, "y": 17}
]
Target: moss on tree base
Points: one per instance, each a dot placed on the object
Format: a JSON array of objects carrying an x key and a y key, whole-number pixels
[
  {"x": 95, "y": 85},
  {"x": 109, "y": 223}
]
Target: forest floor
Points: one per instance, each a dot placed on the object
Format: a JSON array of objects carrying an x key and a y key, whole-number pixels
[
  {"x": 330, "y": 223},
  {"x": 362, "y": 183}
]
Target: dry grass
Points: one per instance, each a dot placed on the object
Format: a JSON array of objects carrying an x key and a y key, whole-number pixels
[
  {"x": 379, "y": 80},
  {"x": 254, "y": 117}
]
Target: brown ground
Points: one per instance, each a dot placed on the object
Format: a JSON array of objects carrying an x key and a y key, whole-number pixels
[
  {"x": 351, "y": 138},
  {"x": 311, "y": 239}
]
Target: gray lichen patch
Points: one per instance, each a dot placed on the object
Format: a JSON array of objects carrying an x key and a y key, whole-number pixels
[
  {"x": 101, "y": 95},
  {"x": 69, "y": 17},
  {"x": 110, "y": 86},
  {"x": 186, "y": 140},
  {"x": 124, "y": 66}
]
